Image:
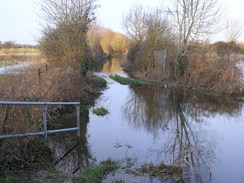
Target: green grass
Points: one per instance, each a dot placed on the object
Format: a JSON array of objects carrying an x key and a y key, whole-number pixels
[
  {"x": 96, "y": 173},
  {"x": 100, "y": 81},
  {"x": 101, "y": 111},
  {"x": 125, "y": 81}
]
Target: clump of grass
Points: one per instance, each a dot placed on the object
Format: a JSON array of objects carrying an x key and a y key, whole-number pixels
[
  {"x": 125, "y": 81},
  {"x": 101, "y": 111},
  {"x": 162, "y": 170},
  {"x": 100, "y": 81},
  {"x": 96, "y": 173}
]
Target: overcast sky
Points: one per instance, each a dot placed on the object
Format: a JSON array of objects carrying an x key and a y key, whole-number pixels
[{"x": 20, "y": 23}]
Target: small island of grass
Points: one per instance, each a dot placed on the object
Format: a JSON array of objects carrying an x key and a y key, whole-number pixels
[
  {"x": 101, "y": 111},
  {"x": 125, "y": 81}
]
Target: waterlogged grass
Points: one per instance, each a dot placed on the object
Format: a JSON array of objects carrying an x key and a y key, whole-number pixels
[
  {"x": 100, "y": 81},
  {"x": 125, "y": 81},
  {"x": 162, "y": 170},
  {"x": 101, "y": 111},
  {"x": 96, "y": 173}
]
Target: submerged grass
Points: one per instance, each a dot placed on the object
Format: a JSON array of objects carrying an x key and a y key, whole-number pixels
[
  {"x": 96, "y": 173},
  {"x": 161, "y": 170},
  {"x": 101, "y": 111},
  {"x": 125, "y": 81}
]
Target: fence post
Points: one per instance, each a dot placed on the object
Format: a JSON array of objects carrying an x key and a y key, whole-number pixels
[
  {"x": 45, "y": 121},
  {"x": 78, "y": 120}
]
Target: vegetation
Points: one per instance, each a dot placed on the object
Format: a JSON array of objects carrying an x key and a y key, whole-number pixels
[
  {"x": 7, "y": 63},
  {"x": 19, "y": 51},
  {"x": 101, "y": 111},
  {"x": 99, "y": 81},
  {"x": 125, "y": 81},
  {"x": 162, "y": 170},
  {"x": 10, "y": 179},
  {"x": 96, "y": 173},
  {"x": 190, "y": 60}
]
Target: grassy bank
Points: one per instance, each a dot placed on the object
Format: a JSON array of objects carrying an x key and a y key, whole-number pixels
[{"x": 59, "y": 84}]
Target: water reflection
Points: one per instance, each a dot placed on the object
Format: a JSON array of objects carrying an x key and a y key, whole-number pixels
[
  {"x": 177, "y": 118},
  {"x": 71, "y": 155},
  {"x": 112, "y": 66}
]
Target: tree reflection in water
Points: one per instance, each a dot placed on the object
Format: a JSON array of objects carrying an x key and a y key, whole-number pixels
[
  {"x": 71, "y": 156},
  {"x": 177, "y": 119}
]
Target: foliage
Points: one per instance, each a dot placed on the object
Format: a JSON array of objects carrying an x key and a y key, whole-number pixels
[
  {"x": 101, "y": 111},
  {"x": 114, "y": 43},
  {"x": 99, "y": 81},
  {"x": 156, "y": 35},
  {"x": 64, "y": 40},
  {"x": 96, "y": 173},
  {"x": 193, "y": 20},
  {"x": 162, "y": 170},
  {"x": 125, "y": 81},
  {"x": 226, "y": 49},
  {"x": 26, "y": 155}
]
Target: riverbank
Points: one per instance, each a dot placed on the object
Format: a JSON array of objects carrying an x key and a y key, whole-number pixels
[{"x": 36, "y": 83}]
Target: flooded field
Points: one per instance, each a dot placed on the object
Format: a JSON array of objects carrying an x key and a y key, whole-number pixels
[{"x": 155, "y": 124}]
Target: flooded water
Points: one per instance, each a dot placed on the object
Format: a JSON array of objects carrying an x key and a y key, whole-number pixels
[
  {"x": 155, "y": 124},
  {"x": 14, "y": 68}
]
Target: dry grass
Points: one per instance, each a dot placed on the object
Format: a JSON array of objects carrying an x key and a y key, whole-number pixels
[
  {"x": 220, "y": 76},
  {"x": 57, "y": 84}
]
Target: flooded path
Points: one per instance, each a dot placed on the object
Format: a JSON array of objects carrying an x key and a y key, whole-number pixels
[{"x": 155, "y": 124}]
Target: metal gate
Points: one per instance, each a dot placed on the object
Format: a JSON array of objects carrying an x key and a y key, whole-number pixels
[{"x": 45, "y": 131}]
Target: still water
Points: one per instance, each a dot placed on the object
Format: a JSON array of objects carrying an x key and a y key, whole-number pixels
[{"x": 156, "y": 124}]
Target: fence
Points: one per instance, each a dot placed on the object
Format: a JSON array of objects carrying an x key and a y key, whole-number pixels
[{"x": 45, "y": 131}]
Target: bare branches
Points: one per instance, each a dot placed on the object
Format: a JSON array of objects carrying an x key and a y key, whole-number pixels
[
  {"x": 134, "y": 23},
  {"x": 195, "y": 18},
  {"x": 64, "y": 39},
  {"x": 57, "y": 12},
  {"x": 233, "y": 30}
]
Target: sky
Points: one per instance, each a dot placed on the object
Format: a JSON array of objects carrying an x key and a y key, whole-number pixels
[{"x": 20, "y": 23}]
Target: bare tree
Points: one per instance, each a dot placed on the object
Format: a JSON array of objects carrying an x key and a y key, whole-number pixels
[
  {"x": 193, "y": 20},
  {"x": 134, "y": 23},
  {"x": 233, "y": 30},
  {"x": 64, "y": 39}
]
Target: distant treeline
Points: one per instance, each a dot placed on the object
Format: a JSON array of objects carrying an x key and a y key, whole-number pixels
[{"x": 12, "y": 44}]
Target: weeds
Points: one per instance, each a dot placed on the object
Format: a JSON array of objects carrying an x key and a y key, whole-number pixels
[
  {"x": 100, "y": 111},
  {"x": 161, "y": 170},
  {"x": 96, "y": 173},
  {"x": 125, "y": 81}
]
